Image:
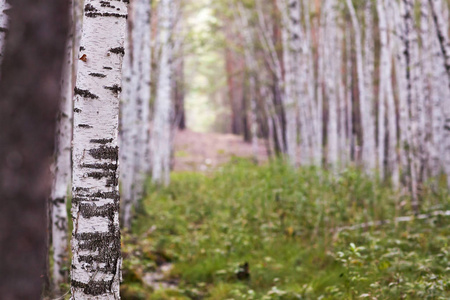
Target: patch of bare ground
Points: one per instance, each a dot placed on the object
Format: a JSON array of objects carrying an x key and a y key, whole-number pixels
[{"x": 197, "y": 151}]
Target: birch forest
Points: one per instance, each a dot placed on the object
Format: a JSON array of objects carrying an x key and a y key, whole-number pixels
[{"x": 224, "y": 149}]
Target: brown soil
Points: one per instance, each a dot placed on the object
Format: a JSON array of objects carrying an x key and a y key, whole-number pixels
[{"x": 195, "y": 151}]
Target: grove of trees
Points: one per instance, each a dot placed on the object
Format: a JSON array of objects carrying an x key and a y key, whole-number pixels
[{"x": 328, "y": 84}]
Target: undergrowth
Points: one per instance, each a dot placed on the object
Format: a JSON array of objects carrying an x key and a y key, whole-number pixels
[{"x": 269, "y": 232}]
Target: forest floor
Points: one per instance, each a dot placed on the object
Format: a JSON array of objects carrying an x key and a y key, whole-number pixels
[
  {"x": 197, "y": 151},
  {"x": 228, "y": 229}
]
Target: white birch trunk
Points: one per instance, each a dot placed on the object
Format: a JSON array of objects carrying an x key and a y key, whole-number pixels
[
  {"x": 386, "y": 90},
  {"x": 142, "y": 68},
  {"x": 161, "y": 135},
  {"x": 63, "y": 171},
  {"x": 311, "y": 105},
  {"x": 426, "y": 61},
  {"x": 96, "y": 257},
  {"x": 440, "y": 95},
  {"x": 128, "y": 134},
  {"x": 441, "y": 26},
  {"x": 367, "y": 124},
  {"x": 406, "y": 10},
  {"x": 331, "y": 82},
  {"x": 290, "y": 10},
  {"x": 370, "y": 146},
  {"x": 4, "y": 20}
]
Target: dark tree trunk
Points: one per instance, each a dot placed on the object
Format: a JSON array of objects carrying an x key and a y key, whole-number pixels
[
  {"x": 179, "y": 93},
  {"x": 29, "y": 101},
  {"x": 235, "y": 81}
]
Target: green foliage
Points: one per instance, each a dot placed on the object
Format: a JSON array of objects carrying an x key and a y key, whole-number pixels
[{"x": 282, "y": 222}]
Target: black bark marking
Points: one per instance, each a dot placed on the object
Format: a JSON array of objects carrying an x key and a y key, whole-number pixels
[
  {"x": 89, "y": 7},
  {"x": 84, "y": 93},
  {"x": 3, "y": 29},
  {"x": 107, "y": 68},
  {"x": 101, "y": 141},
  {"x": 95, "y": 196},
  {"x": 82, "y": 48},
  {"x": 104, "y": 166},
  {"x": 97, "y": 14},
  {"x": 77, "y": 110},
  {"x": 93, "y": 288},
  {"x": 115, "y": 89},
  {"x": 104, "y": 152},
  {"x": 91, "y": 210},
  {"x": 447, "y": 127},
  {"x": 84, "y": 126},
  {"x": 97, "y": 75},
  {"x": 117, "y": 50},
  {"x": 108, "y": 195},
  {"x": 111, "y": 177}
]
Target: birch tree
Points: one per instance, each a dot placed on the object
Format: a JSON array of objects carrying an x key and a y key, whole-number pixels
[
  {"x": 441, "y": 29},
  {"x": 63, "y": 163},
  {"x": 331, "y": 81},
  {"x": 386, "y": 100},
  {"x": 128, "y": 132},
  {"x": 135, "y": 134},
  {"x": 367, "y": 124},
  {"x": 161, "y": 132},
  {"x": 4, "y": 8},
  {"x": 291, "y": 37},
  {"x": 142, "y": 66},
  {"x": 368, "y": 118},
  {"x": 96, "y": 257}
]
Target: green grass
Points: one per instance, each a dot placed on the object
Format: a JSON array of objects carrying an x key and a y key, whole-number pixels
[{"x": 282, "y": 222}]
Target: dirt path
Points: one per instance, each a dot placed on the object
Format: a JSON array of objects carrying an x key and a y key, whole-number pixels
[{"x": 195, "y": 151}]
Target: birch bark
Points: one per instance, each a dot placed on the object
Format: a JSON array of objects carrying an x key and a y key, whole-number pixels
[
  {"x": 96, "y": 257},
  {"x": 63, "y": 163},
  {"x": 142, "y": 71},
  {"x": 387, "y": 41},
  {"x": 128, "y": 133},
  {"x": 369, "y": 137},
  {"x": 161, "y": 135},
  {"x": 331, "y": 82},
  {"x": 441, "y": 28},
  {"x": 406, "y": 10},
  {"x": 291, "y": 37},
  {"x": 367, "y": 127},
  {"x": 311, "y": 105},
  {"x": 4, "y": 7}
]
